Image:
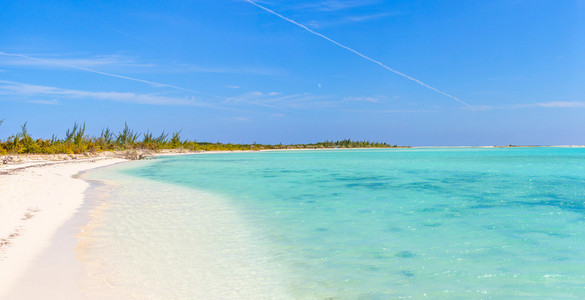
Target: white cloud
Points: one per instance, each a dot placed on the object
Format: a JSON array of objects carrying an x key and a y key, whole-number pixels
[
  {"x": 560, "y": 104},
  {"x": 87, "y": 62},
  {"x": 386, "y": 111},
  {"x": 551, "y": 104},
  {"x": 254, "y": 98},
  {"x": 127, "y": 64},
  {"x": 478, "y": 107},
  {"x": 45, "y": 102},
  {"x": 85, "y": 69},
  {"x": 334, "y": 5},
  {"x": 191, "y": 68},
  {"x": 272, "y": 100},
  {"x": 364, "y": 99},
  {"x": 350, "y": 19},
  {"x": 276, "y": 100},
  {"x": 9, "y": 88},
  {"x": 363, "y": 18}
]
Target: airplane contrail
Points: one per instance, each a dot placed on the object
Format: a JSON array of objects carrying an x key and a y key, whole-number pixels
[
  {"x": 152, "y": 83},
  {"x": 356, "y": 52}
]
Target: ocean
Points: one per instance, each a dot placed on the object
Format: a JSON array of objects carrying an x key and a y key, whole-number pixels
[{"x": 436, "y": 223}]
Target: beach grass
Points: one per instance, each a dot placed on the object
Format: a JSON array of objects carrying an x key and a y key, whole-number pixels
[{"x": 76, "y": 141}]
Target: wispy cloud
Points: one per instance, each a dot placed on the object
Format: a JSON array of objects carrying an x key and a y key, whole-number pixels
[
  {"x": 44, "y": 102},
  {"x": 479, "y": 107},
  {"x": 34, "y": 93},
  {"x": 350, "y": 19},
  {"x": 237, "y": 119},
  {"x": 550, "y": 105},
  {"x": 387, "y": 111},
  {"x": 363, "y": 18},
  {"x": 8, "y": 59},
  {"x": 125, "y": 33},
  {"x": 126, "y": 63},
  {"x": 9, "y": 88},
  {"x": 190, "y": 68},
  {"x": 419, "y": 82},
  {"x": 560, "y": 104},
  {"x": 42, "y": 94},
  {"x": 86, "y": 69},
  {"x": 254, "y": 98},
  {"x": 82, "y": 65},
  {"x": 335, "y": 5},
  {"x": 320, "y": 14},
  {"x": 365, "y": 99},
  {"x": 276, "y": 100}
]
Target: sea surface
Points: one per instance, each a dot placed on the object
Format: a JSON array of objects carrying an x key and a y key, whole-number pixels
[{"x": 442, "y": 223}]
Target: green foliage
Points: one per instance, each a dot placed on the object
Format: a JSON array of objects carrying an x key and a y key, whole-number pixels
[
  {"x": 79, "y": 137},
  {"x": 176, "y": 139},
  {"x": 27, "y": 144},
  {"x": 54, "y": 140},
  {"x": 106, "y": 139},
  {"x": 162, "y": 139},
  {"x": 127, "y": 137},
  {"x": 148, "y": 138},
  {"x": 348, "y": 143},
  {"x": 76, "y": 141},
  {"x": 71, "y": 133},
  {"x": 149, "y": 141}
]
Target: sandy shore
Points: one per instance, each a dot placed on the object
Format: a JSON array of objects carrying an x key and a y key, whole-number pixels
[
  {"x": 37, "y": 197},
  {"x": 42, "y": 207}
]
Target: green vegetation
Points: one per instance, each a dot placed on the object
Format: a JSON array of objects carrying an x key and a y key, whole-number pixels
[
  {"x": 353, "y": 144},
  {"x": 77, "y": 142}
]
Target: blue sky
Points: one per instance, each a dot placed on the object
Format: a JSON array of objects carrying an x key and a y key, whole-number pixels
[{"x": 471, "y": 72}]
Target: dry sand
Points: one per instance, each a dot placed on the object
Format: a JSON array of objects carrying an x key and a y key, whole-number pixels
[{"x": 38, "y": 197}]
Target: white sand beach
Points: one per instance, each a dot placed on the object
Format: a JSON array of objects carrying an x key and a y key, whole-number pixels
[
  {"x": 43, "y": 210},
  {"x": 36, "y": 199}
]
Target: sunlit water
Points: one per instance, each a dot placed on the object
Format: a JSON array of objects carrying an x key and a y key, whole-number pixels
[{"x": 351, "y": 224}]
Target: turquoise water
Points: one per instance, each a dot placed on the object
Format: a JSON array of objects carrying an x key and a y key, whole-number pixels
[{"x": 453, "y": 223}]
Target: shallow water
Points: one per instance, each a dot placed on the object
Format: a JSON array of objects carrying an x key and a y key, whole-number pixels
[{"x": 353, "y": 224}]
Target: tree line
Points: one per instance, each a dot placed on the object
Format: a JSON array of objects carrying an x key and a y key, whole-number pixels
[{"x": 76, "y": 141}]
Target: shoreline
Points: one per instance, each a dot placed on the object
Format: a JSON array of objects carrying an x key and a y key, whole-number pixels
[
  {"x": 38, "y": 200},
  {"x": 14, "y": 162},
  {"x": 42, "y": 197}
]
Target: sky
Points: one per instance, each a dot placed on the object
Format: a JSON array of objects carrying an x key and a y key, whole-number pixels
[{"x": 418, "y": 73}]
